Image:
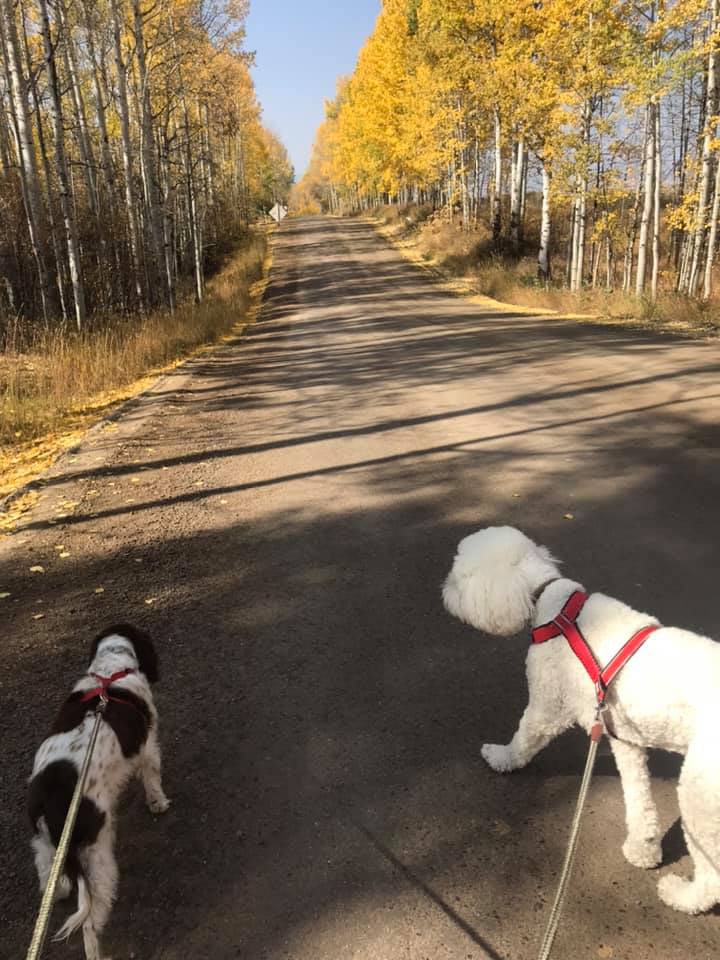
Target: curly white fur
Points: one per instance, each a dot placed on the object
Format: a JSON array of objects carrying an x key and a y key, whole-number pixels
[{"x": 667, "y": 697}]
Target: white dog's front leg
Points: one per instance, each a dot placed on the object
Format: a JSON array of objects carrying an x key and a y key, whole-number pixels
[
  {"x": 538, "y": 726},
  {"x": 642, "y": 848}
]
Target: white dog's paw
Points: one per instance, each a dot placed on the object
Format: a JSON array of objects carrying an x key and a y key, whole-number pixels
[
  {"x": 643, "y": 853},
  {"x": 498, "y": 757},
  {"x": 688, "y": 896},
  {"x": 158, "y": 804}
]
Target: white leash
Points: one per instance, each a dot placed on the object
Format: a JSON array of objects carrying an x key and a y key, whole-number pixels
[
  {"x": 46, "y": 904},
  {"x": 557, "y": 907}
]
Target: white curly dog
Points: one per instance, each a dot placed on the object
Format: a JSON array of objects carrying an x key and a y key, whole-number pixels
[{"x": 667, "y": 696}]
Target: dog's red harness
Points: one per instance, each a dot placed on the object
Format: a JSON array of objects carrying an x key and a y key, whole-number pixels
[
  {"x": 564, "y": 623},
  {"x": 102, "y": 690}
]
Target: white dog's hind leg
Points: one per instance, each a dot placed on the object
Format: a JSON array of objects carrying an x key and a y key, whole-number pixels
[
  {"x": 538, "y": 726},
  {"x": 642, "y": 847},
  {"x": 699, "y": 795},
  {"x": 150, "y": 773}
]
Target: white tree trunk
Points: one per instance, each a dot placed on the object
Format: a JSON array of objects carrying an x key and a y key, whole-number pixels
[
  {"x": 147, "y": 146},
  {"x": 712, "y": 239},
  {"x": 656, "y": 206},
  {"x": 707, "y": 157},
  {"x": 71, "y": 240},
  {"x": 648, "y": 197},
  {"x": 545, "y": 226},
  {"x": 34, "y": 209},
  {"x": 497, "y": 185},
  {"x": 127, "y": 155}
]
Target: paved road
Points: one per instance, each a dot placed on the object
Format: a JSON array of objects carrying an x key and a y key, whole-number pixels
[{"x": 281, "y": 516}]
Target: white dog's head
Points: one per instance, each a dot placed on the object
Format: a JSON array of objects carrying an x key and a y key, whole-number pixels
[{"x": 493, "y": 578}]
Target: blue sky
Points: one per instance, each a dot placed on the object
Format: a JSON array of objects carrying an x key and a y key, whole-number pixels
[{"x": 302, "y": 47}]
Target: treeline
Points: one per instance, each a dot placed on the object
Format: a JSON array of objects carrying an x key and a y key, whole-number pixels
[
  {"x": 132, "y": 153},
  {"x": 606, "y": 111}
]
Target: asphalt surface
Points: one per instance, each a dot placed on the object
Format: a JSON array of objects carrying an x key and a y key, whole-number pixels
[{"x": 280, "y": 516}]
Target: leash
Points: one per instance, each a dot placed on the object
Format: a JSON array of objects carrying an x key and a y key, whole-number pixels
[
  {"x": 46, "y": 904},
  {"x": 565, "y": 624},
  {"x": 557, "y": 907}
]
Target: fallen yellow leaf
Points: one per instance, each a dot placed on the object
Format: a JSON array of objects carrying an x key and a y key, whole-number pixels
[
  {"x": 150, "y": 600},
  {"x": 4, "y": 595},
  {"x": 569, "y": 516},
  {"x": 38, "y": 616},
  {"x": 37, "y": 569},
  {"x": 99, "y": 589},
  {"x": 64, "y": 555}
]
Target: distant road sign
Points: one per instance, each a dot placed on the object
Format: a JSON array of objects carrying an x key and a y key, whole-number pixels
[{"x": 278, "y": 212}]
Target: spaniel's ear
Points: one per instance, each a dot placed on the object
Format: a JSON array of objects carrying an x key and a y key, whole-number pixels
[{"x": 142, "y": 644}]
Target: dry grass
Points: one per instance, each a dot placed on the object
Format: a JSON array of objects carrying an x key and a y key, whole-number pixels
[
  {"x": 465, "y": 257},
  {"x": 54, "y": 388}
]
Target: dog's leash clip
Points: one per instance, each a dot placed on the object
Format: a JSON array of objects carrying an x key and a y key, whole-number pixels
[{"x": 598, "y": 727}]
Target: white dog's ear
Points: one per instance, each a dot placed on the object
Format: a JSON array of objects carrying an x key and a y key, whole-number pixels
[{"x": 493, "y": 577}]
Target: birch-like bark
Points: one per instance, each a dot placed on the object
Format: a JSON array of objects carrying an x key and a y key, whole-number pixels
[
  {"x": 147, "y": 147},
  {"x": 81, "y": 126},
  {"x": 34, "y": 210},
  {"x": 497, "y": 183},
  {"x": 707, "y": 157},
  {"x": 60, "y": 263},
  {"x": 578, "y": 248},
  {"x": 127, "y": 155},
  {"x": 712, "y": 238},
  {"x": 71, "y": 239},
  {"x": 516, "y": 190},
  {"x": 648, "y": 195},
  {"x": 656, "y": 206},
  {"x": 569, "y": 260},
  {"x": 545, "y": 226}
]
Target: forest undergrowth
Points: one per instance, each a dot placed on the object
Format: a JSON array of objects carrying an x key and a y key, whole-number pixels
[
  {"x": 467, "y": 257},
  {"x": 55, "y": 383}
]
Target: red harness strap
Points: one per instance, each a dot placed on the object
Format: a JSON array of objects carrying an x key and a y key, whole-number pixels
[
  {"x": 102, "y": 690},
  {"x": 564, "y": 623}
]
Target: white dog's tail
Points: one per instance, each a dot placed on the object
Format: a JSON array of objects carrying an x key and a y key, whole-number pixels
[{"x": 76, "y": 920}]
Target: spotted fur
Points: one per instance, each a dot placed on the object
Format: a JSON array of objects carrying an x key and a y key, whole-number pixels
[{"x": 127, "y": 745}]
